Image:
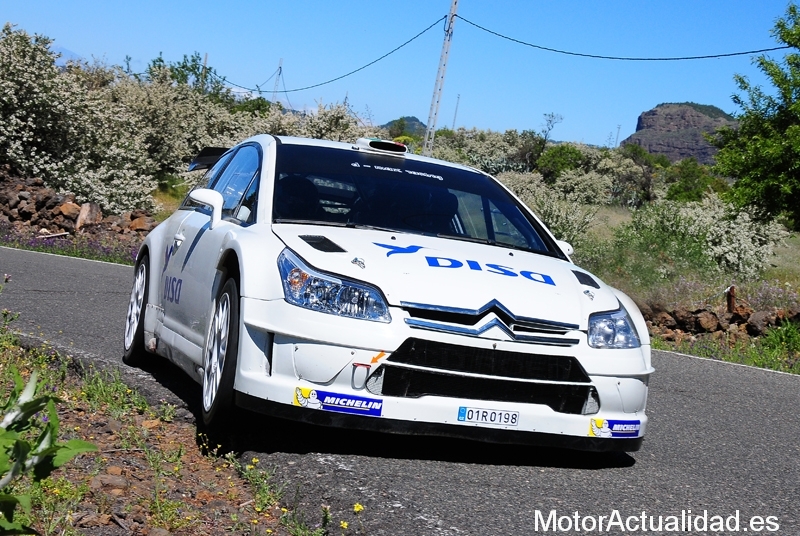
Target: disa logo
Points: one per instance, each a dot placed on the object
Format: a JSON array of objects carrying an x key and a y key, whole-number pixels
[{"x": 447, "y": 262}]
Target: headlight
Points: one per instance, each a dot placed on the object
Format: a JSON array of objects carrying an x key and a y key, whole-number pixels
[
  {"x": 305, "y": 287},
  {"x": 612, "y": 330}
]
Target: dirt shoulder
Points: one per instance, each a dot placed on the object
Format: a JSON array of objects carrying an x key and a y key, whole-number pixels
[{"x": 153, "y": 472}]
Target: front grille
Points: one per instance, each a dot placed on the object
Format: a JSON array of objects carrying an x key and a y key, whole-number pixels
[
  {"x": 449, "y": 357},
  {"x": 414, "y": 383},
  {"x": 473, "y": 322}
]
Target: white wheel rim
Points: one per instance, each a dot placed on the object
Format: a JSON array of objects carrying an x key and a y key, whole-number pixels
[
  {"x": 135, "y": 305},
  {"x": 216, "y": 348}
]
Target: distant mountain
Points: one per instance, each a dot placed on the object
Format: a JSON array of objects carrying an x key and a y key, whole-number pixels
[
  {"x": 676, "y": 130},
  {"x": 66, "y": 55},
  {"x": 413, "y": 126}
]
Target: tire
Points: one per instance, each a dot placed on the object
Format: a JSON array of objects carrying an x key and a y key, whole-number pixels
[
  {"x": 133, "y": 342},
  {"x": 220, "y": 355}
]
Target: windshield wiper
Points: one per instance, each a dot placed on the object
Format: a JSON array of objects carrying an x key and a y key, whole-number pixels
[
  {"x": 492, "y": 243},
  {"x": 349, "y": 225},
  {"x": 372, "y": 227},
  {"x": 310, "y": 222}
]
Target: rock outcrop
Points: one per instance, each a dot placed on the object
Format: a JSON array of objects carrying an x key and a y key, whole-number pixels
[{"x": 676, "y": 131}]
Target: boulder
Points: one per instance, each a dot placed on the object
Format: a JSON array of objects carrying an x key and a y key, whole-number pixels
[
  {"x": 685, "y": 319},
  {"x": 143, "y": 223},
  {"x": 69, "y": 210},
  {"x": 707, "y": 321},
  {"x": 759, "y": 321},
  {"x": 90, "y": 213}
]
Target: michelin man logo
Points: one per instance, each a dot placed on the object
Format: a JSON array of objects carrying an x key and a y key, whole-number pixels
[
  {"x": 603, "y": 430},
  {"x": 309, "y": 400}
]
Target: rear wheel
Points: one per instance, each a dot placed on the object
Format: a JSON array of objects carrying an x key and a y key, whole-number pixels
[
  {"x": 220, "y": 354},
  {"x": 134, "y": 349}
]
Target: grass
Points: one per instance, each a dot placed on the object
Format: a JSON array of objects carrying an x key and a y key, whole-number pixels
[
  {"x": 785, "y": 265},
  {"x": 169, "y": 196},
  {"x": 608, "y": 219},
  {"x": 80, "y": 246}
]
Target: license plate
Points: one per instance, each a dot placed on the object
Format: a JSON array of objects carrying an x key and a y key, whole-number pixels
[{"x": 488, "y": 416}]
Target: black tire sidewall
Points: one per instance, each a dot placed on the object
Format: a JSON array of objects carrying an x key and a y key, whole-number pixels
[
  {"x": 135, "y": 353},
  {"x": 223, "y": 401}
]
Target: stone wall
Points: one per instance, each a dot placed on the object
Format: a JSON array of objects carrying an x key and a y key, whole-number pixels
[
  {"x": 737, "y": 322},
  {"x": 29, "y": 207}
]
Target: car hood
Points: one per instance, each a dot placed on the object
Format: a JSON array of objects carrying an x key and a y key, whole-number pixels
[{"x": 410, "y": 268}]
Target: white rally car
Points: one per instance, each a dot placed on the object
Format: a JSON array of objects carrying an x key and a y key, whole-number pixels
[{"x": 359, "y": 285}]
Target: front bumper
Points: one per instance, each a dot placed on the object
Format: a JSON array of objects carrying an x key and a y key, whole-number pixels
[{"x": 322, "y": 369}]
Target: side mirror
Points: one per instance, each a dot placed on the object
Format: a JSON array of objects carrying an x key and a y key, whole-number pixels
[
  {"x": 565, "y": 247},
  {"x": 213, "y": 199}
]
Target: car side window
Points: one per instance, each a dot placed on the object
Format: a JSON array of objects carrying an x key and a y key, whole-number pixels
[
  {"x": 238, "y": 186},
  {"x": 208, "y": 178}
]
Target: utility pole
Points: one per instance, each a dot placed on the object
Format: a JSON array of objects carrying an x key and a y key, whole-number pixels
[
  {"x": 616, "y": 142},
  {"x": 205, "y": 63},
  {"x": 458, "y": 99},
  {"x": 277, "y": 80},
  {"x": 427, "y": 147}
]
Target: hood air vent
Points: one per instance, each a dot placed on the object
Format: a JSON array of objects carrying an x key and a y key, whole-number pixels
[
  {"x": 585, "y": 279},
  {"x": 323, "y": 243}
]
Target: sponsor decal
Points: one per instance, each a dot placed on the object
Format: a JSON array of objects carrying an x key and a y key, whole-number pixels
[
  {"x": 329, "y": 401},
  {"x": 398, "y": 249},
  {"x": 469, "y": 264},
  {"x": 614, "y": 428},
  {"x": 168, "y": 251},
  {"x": 172, "y": 289}
]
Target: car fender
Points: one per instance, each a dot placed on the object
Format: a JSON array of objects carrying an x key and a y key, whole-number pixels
[{"x": 257, "y": 248}]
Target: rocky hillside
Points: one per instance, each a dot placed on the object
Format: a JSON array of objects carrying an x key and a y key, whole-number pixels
[{"x": 676, "y": 130}]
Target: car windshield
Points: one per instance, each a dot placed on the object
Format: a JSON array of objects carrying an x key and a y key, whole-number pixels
[{"x": 332, "y": 186}]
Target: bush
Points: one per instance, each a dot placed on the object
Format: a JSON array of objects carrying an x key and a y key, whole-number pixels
[
  {"x": 53, "y": 127},
  {"x": 558, "y": 159},
  {"x": 666, "y": 240},
  {"x": 689, "y": 181},
  {"x": 566, "y": 219}
]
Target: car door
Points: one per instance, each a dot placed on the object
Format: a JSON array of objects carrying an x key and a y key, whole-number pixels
[{"x": 189, "y": 274}]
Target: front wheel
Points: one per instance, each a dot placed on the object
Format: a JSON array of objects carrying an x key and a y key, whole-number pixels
[
  {"x": 134, "y": 349},
  {"x": 220, "y": 354}
]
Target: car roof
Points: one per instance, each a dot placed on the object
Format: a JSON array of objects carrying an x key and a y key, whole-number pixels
[{"x": 313, "y": 142}]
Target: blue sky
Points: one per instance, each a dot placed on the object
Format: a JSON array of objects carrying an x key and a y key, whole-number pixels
[{"x": 502, "y": 85}]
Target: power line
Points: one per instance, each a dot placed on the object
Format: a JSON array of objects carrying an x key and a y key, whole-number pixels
[
  {"x": 344, "y": 75},
  {"x": 599, "y": 57}
]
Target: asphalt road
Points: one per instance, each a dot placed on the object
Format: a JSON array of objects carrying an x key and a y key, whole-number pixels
[{"x": 722, "y": 439}]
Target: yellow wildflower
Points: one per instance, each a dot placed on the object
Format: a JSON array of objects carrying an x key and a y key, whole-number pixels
[
  {"x": 358, "y": 507},
  {"x": 343, "y": 524}
]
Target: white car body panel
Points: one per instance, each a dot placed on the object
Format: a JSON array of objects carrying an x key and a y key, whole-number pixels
[{"x": 313, "y": 366}]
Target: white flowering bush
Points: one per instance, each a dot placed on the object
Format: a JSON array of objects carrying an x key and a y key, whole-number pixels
[
  {"x": 566, "y": 219},
  {"x": 483, "y": 149},
  {"x": 54, "y": 127},
  {"x": 736, "y": 241},
  {"x": 585, "y": 187},
  {"x": 111, "y": 137},
  {"x": 668, "y": 239}
]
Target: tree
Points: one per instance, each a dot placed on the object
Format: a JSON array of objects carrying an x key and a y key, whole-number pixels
[
  {"x": 558, "y": 159},
  {"x": 689, "y": 180},
  {"x": 641, "y": 188},
  {"x": 763, "y": 152}
]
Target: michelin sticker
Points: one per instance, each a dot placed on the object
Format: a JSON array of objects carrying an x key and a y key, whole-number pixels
[
  {"x": 326, "y": 400},
  {"x": 612, "y": 428}
]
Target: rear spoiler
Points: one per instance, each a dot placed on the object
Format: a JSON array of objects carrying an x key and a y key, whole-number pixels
[{"x": 206, "y": 158}]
